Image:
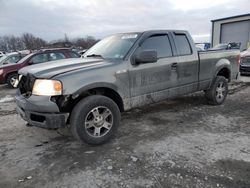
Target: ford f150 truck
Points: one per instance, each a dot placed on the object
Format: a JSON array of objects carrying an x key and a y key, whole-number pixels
[{"x": 121, "y": 72}]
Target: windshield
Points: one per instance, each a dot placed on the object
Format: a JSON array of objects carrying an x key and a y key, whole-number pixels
[
  {"x": 113, "y": 47},
  {"x": 24, "y": 58}
]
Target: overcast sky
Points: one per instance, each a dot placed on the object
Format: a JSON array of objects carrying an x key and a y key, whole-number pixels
[{"x": 51, "y": 19}]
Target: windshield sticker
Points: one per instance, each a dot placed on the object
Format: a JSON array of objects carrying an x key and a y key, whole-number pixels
[{"x": 131, "y": 36}]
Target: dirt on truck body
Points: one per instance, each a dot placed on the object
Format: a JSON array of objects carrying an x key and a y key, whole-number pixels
[{"x": 121, "y": 72}]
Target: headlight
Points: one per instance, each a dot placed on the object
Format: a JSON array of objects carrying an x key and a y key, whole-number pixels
[
  {"x": 47, "y": 87},
  {"x": 1, "y": 71}
]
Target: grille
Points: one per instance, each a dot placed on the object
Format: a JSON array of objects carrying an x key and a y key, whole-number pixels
[
  {"x": 245, "y": 60},
  {"x": 26, "y": 84}
]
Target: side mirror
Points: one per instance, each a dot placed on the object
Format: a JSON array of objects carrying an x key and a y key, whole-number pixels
[
  {"x": 30, "y": 63},
  {"x": 5, "y": 63},
  {"x": 146, "y": 56}
]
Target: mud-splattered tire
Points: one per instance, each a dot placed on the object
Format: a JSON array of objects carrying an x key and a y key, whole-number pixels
[
  {"x": 95, "y": 119},
  {"x": 11, "y": 79},
  {"x": 218, "y": 91}
]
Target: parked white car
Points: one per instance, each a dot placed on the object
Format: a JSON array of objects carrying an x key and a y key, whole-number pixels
[{"x": 245, "y": 62}]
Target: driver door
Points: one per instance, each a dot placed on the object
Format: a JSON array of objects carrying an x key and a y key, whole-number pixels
[{"x": 148, "y": 80}]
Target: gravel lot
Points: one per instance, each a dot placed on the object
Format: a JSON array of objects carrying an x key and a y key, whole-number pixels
[{"x": 177, "y": 143}]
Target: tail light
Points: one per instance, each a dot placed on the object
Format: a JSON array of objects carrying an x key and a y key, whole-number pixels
[{"x": 238, "y": 59}]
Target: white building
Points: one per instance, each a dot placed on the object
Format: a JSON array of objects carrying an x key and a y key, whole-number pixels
[{"x": 232, "y": 29}]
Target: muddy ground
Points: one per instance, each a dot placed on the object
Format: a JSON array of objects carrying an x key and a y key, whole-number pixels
[{"x": 177, "y": 143}]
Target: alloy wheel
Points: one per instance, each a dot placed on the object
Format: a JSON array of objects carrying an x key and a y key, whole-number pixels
[{"x": 99, "y": 121}]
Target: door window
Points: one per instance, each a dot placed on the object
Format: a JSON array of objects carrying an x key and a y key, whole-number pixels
[
  {"x": 56, "y": 55},
  {"x": 160, "y": 43},
  {"x": 183, "y": 44},
  {"x": 73, "y": 54},
  {"x": 40, "y": 58}
]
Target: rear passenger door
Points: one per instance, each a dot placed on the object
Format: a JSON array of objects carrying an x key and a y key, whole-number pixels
[
  {"x": 187, "y": 64},
  {"x": 152, "y": 78}
]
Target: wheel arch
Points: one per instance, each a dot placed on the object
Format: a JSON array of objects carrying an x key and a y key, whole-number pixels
[
  {"x": 223, "y": 68},
  {"x": 8, "y": 74},
  {"x": 225, "y": 72},
  {"x": 105, "y": 89}
]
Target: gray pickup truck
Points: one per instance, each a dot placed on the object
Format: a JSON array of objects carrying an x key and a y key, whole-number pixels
[{"x": 121, "y": 72}]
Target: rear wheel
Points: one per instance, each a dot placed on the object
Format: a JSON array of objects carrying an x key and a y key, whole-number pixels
[
  {"x": 11, "y": 79},
  {"x": 218, "y": 91},
  {"x": 95, "y": 119}
]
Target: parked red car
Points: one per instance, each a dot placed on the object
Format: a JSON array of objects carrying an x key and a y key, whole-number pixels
[{"x": 9, "y": 72}]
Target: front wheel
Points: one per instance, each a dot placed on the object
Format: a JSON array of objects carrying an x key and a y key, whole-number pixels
[
  {"x": 11, "y": 80},
  {"x": 218, "y": 91},
  {"x": 95, "y": 119}
]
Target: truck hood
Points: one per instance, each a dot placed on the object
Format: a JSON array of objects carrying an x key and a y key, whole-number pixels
[{"x": 54, "y": 68}]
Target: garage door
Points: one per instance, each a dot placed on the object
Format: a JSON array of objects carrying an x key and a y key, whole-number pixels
[{"x": 236, "y": 32}]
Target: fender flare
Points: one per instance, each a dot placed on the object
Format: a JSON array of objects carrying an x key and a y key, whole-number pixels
[
  {"x": 221, "y": 64},
  {"x": 93, "y": 86}
]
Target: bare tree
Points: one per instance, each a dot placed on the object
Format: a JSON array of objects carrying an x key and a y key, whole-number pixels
[
  {"x": 28, "y": 41},
  {"x": 13, "y": 42},
  {"x": 31, "y": 42},
  {"x": 85, "y": 42},
  {"x": 3, "y": 44},
  {"x": 19, "y": 44}
]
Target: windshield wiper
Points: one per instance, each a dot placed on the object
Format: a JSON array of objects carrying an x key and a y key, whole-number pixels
[{"x": 94, "y": 55}]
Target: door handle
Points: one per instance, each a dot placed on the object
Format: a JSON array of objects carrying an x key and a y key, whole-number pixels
[{"x": 174, "y": 65}]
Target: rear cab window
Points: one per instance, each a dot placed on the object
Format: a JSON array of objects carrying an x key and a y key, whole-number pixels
[
  {"x": 182, "y": 44},
  {"x": 160, "y": 43}
]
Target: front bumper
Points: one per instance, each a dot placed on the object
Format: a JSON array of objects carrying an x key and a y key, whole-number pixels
[
  {"x": 39, "y": 111},
  {"x": 2, "y": 79}
]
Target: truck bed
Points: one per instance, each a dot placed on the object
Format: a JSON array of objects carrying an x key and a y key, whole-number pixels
[{"x": 211, "y": 60}]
